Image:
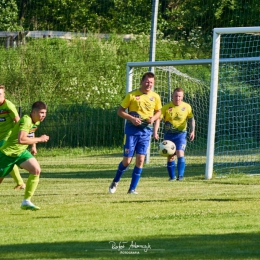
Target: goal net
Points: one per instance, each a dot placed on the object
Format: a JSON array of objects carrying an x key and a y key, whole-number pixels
[
  {"x": 194, "y": 78},
  {"x": 224, "y": 93},
  {"x": 234, "y": 120}
]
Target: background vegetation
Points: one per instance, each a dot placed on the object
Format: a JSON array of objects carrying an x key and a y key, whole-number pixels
[
  {"x": 82, "y": 79},
  {"x": 133, "y": 16},
  {"x": 91, "y": 68}
]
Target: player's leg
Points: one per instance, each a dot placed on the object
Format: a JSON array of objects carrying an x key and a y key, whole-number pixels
[
  {"x": 120, "y": 170},
  {"x": 180, "y": 143},
  {"x": 15, "y": 173},
  {"x": 17, "y": 178},
  {"x": 129, "y": 146},
  {"x": 29, "y": 163},
  {"x": 136, "y": 174},
  {"x": 171, "y": 159},
  {"x": 180, "y": 164},
  {"x": 7, "y": 163},
  {"x": 171, "y": 167},
  {"x": 142, "y": 145},
  {"x": 122, "y": 167}
]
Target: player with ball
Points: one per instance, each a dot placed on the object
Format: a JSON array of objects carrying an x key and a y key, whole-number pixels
[{"x": 175, "y": 115}]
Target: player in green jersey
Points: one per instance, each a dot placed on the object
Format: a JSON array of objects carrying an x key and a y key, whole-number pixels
[
  {"x": 14, "y": 151},
  {"x": 8, "y": 117}
]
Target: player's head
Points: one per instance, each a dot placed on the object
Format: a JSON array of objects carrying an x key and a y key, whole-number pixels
[
  {"x": 38, "y": 105},
  {"x": 147, "y": 82},
  {"x": 148, "y": 74},
  {"x": 177, "y": 96},
  {"x": 39, "y": 110},
  {"x": 2, "y": 93}
]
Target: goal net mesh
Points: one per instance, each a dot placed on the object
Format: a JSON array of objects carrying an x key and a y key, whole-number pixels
[
  {"x": 237, "y": 136},
  {"x": 195, "y": 81}
]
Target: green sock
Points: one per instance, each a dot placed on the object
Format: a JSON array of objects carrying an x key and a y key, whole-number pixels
[
  {"x": 31, "y": 186},
  {"x": 16, "y": 175}
]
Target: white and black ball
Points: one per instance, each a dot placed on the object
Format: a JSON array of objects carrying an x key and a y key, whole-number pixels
[{"x": 167, "y": 148}]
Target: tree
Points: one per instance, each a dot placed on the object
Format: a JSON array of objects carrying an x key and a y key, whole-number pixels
[{"x": 9, "y": 16}]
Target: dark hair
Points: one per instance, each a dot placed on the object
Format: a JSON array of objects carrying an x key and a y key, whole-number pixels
[
  {"x": 38, "y": 105},
  {"x": 148, "y": 74}
]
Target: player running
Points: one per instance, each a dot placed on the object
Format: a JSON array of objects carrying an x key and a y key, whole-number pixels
[
  {"x": 14, "y": 151},
  {"x": 8, "y": 117}
]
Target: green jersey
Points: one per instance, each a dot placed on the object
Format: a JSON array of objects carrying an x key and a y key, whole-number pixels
[
  {"x": 11, "y": 147},
  {"x": 8, "y": 112}
]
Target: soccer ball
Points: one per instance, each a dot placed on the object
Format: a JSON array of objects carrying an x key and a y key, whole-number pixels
[{"x": 167, "y": 148}]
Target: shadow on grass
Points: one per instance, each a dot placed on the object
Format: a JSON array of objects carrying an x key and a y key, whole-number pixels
[
  {"x": 93, "y": 174},
  {"x": 226, "y": 246}
]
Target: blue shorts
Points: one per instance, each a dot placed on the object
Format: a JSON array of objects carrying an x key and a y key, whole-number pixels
[
  {"x": 179, "y": 140},
  {"x": 136, "y": 143}
]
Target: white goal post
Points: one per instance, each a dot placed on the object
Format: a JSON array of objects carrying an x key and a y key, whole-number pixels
[
  {"x": 204, "y": 95},
  {"x": 167, "y": 76},
  {"x": 232, "y": 57}
]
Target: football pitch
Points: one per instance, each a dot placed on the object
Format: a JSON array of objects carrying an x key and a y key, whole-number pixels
[{"x": 79, "y": 219}]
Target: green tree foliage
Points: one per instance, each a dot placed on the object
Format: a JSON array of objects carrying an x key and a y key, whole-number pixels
[
  {"x": 184, "y": 16},
  {"x": 92, "y": 16},
  {"x": 176, "y": 18},
  {"x": 9, "y": 16}
]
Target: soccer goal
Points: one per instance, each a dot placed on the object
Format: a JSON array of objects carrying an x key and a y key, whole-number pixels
[
  {"x": 224, "y": 93},
  {"x": 233, "y": 136},
  {"x": 194, "y": 77}
]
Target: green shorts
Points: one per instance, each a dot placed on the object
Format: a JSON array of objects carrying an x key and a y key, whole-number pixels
[{"x": 7, "y": 162}]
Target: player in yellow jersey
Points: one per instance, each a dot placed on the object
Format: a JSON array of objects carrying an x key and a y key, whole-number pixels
[
  {"x": 144, "y": 108},
  {"x": 14, "y": 151},
  {"x": 8, "y": 117},
  {"x": 175, "y": 115}
]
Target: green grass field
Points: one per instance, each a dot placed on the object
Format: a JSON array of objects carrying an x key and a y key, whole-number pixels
[{"x": 79, "y": 219}]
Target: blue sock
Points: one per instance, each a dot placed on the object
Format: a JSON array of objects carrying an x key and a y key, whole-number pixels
[
  {"x": 120, "y": 170},
  {"x": 181, "y": 167},
  {"x": 171, "y": 169},
  {"x": 135, "y": 177}
]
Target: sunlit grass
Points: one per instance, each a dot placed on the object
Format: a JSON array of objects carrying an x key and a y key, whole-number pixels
[{"x": 79, "y": 219}]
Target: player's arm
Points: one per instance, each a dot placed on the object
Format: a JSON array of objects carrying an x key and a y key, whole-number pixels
[
  {"x": 33, "y": 148},
  {"x": 156, "y": 128},
  {"x": 134, "y": 120},
  {"x": 156, "y": 115},
  {"x": 16, "y": 119},
  {"x": 24, "y": 139},
  {"x": 192, "y": 128}
]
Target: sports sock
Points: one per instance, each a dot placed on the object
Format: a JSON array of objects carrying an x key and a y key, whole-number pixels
[
  {"x": 135, "y": 177},
  {"x": 120, "y": 170},
  {"x": 181, "y": 166},
  {"x": 31, "y": 186},
  {"x": 171, "y": 169},
  {"x": 16, "y": 175}
]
